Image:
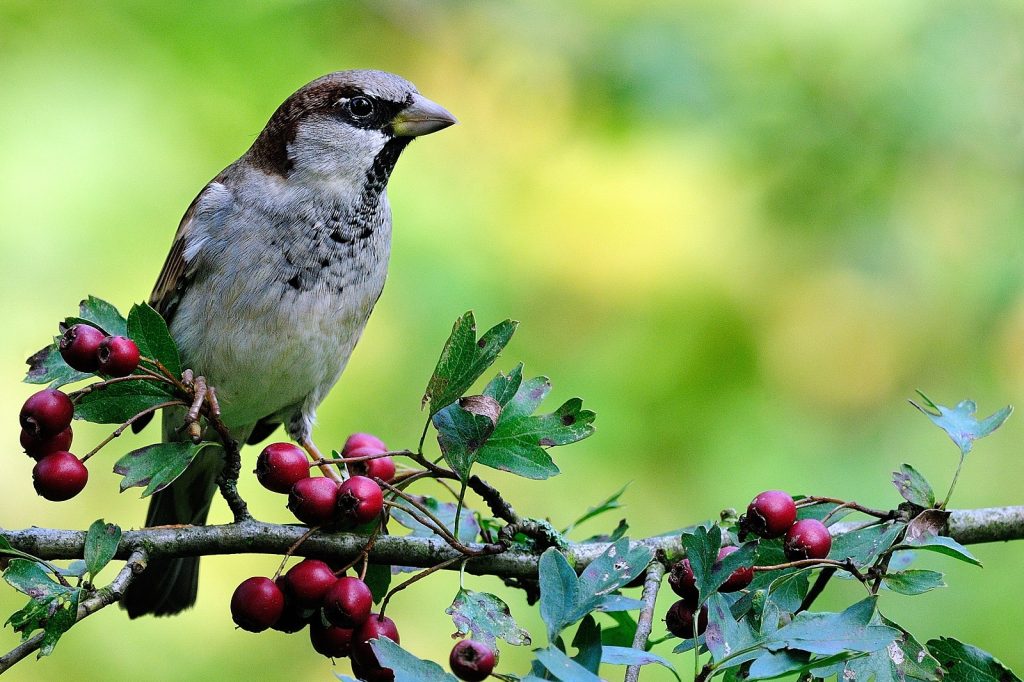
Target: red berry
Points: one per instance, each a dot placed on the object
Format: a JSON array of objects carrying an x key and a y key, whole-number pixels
[
  {"x": 293, "y": 617},
  {"x": 313, "y": 500},
  {"x": 119, "y": 356},
  {"x": 37, "y": 447},
  {"x": 308, "y": 581},
  {"x": 330, "y": 640},
  {"x": 80, "y": 347},
  {"x": 471, "y": 661},
  {"x": 360, "y": 500},
  {"x": 46, "y": 413},
  {"x": 347, "y": 602},
  {"x": 256, "y": 604},
  {"x": 807, "y": 539},
  {"x": 363, "y": 440},
  {"x": 770, "y": 514},
  {"x": 59, "y": 476},
  {"x": 280, "y": 466},
  {"x": 682, "y": 582},
  {"x": 739, "y": 578},
  {"x": 378, "y": 467},
  {"x": 679, "y": 619},
  {"x": 376, "y": 626}
]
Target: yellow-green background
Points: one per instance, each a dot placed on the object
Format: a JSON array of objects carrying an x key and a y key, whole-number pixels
[{"x": 743, "y": 232}]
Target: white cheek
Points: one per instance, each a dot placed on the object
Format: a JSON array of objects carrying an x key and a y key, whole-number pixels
[{"x": 336, "y": 151}]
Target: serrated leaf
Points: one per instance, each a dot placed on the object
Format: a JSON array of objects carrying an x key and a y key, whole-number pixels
[
  {"x": 913, "y": 487},
  {"x": 606, "y": 506},
  {"x": 46, "y": 366},
  {"x": 504, "y": 386},
  {"x": 54, "y": 615},
  {"x": 966, "y": 663},
  {"x": 831, "y": 633},
  {"x": 463, "y": 428},
  {"x": 621, "y": 655},
  {"x": 914, "y": 581},
  {"x": 563, "y": 667},
  {"x": 865, "y": 545},
  {"x": 147, "y": 328},
  {"x": 902, "y": 660},
  {"x": 487, "y": 617},
  {"x": 469, "y": 529},
  {"x": 463, "y": 359},
  {"x": 101, "y": 314},
  {"x": 959, "y": 422},
  {"x": 100, "y": 546},
  {"x": 117, "y": 403},
  {"x": 156, "y": 466},
  {"x": 406, "y": 667},
  {"x": 702, "y": 546},
  {"x": 943, "y": 545}
]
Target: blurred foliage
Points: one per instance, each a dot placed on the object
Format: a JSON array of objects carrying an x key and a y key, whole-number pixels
[{"x": 744, "y": 232}]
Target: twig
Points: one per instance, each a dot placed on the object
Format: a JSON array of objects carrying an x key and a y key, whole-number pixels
[
  {"x": 877, "y": 513},
  {"x": 817, "y": 588},
  {"x": 495, "y": 502},
  {"x": 416, "y": 578},
  {"x": 121, "y": 429},
  {"x": 652, "y": 583},
  {"x": 291, "y": 550}
]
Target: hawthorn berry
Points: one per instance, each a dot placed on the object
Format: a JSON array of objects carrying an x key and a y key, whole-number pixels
[
  {"x": 38, "y": 447},
  {"x": 360, "y": 500},
  {"x": 46, "y": 413},
  {"x": 739, "y": 578},
  {"x": 80, "y": 345},
  {"x": 280, "y": 466},
  {"x": 308, "y": 581},
  {"x": 313, "y": 500},
  {"x": 375, "y": 626},
  {"x": 118, "y": 356},
  {"x": 293, "y": 617},
  {"x": 681, "y": 580},
  {"x": 256, "y": 604},
  {"x": 471, "y": 661},
  {"x": 679, "y": 619},
  {"x": 362, "y": 440},
  {"x": 330, "y": 640},
  {"x": 770, "y": 514},
  {"x": 347, "y": 602},
  {"x": 59, "y": 476},
  {"x": 807, "y": 539},
  {"x": 378, "y": 467}
]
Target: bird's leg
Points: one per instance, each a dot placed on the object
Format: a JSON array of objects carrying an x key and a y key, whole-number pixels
[{"x": 329, "y": 471}]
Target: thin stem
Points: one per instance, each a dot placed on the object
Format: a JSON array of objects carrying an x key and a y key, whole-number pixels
[
  {"x": 458, "y": 508},
  {"x": 416, "y": 578},
  {"x": 813, "y": 500},
  {"x": 817, "y": 588},
  {"x": 99, "y": 385},
  {"x": 952, "y": 485},
  {"x": 291, "y": 550},
  {"x": 121, "y": 429},
  {"x": 423, "y": 438},
  {"x": 429, "y": 523}
]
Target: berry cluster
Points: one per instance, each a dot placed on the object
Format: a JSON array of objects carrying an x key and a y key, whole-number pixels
[
  {"x": 770, "y": 515},
  {"x": 88, "y": 349}
]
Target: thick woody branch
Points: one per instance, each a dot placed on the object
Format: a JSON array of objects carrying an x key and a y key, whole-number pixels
[{"x": 966, "y": 526}]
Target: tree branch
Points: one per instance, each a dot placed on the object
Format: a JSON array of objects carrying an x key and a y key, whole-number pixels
[{"x": 652, "y": 583}]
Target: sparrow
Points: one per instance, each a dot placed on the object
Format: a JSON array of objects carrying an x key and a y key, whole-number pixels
[{"x": 271, "y": 277}]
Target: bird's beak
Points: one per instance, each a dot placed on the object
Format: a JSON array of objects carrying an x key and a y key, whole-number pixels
[{"x": 421, "y": 117}]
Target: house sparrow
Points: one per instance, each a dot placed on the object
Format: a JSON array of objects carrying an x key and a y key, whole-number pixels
[{"x": 272, "y": 275}]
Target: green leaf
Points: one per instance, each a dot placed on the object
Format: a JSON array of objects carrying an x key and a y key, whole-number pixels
[
  {"x": 831, "y": 633},
  {"x": 902, "y": 661},
  {"x": 943, "y": 545},
  {"x": 101, "y": 314},
  {"x": 587, "y": 642},
  {"x": 913, "y": 487},
  {"x": 772, "y": 664},
  {"x": 623, "y": 633},
  {"x": 608, "y": 505},
  {"x": 913, "y": 581},
  {"x": 46, "y": 366},
  {"x": 29, "y": 577},
  {"x": 503, "y": 387},
  {"x": 407, "y": 668},
  {"x": 147, "y": 328},
  {"x": 469, "y": 529},
  {"x": 100, "y": 546},
  {"x": 487, "y": 617},
  {"x": 563, "y": 667},
  {"x": 702, "y": 547},
  {"x": 462, "y": 429},
  {"x": 378, "y": 579},
  {"x": 463, "y": 359},
  {"x": 725, "y": 635},
  {"x": 117, "y": 403},
  {"x": 959, "y": 422},
  {"x": 53, "y": 607},
  {"x": 966, "y": 663},
  {"x": 156, "y": 466},
  {"x": 865, "y": 545},
  {"x": 518, "y": 442},
  {"x": 621, "y": 655}
]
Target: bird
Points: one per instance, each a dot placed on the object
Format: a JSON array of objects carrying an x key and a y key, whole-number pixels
[{"x": 271, "y": 277}]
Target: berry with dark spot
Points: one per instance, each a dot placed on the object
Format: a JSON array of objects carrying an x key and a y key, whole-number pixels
[
  {"x": 376, "y": 626},
  {"x": 308, "y": 581},
  {"x": 807, "y": 539},
  {"x": 118, "y": 355},
  {"x": 770, "y": 514},
  {"x": 313, "y": 500},
  {"x": 739, "y": 578},
  {"x": 38, "y": 447},
  {"x": 59, "y": 476},
  {"x": 682, "y": 582},
  {"x": 679, "y": 619},
  {"x": 471, "y": 661},
  {"x": 280, "y": 466},
  {"x": 80, "y": 345},
  {"x": 360, "y": 500},
  {"x": 46, "y": 413},
  {"x": 330, "y": 640},
  {"x": 347, "y": 602},
  {"x": 256, "y": 604}
]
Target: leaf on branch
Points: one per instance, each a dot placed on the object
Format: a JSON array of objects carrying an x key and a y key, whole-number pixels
[
  {"x": 464, "y": 359},
  {"x": 378, "y": 579},
  {"x": 913, "y": 581},
  {"x": 623, "y": 632},
  {"x": 53, "y": 607},
  {"x": 156, "y": 466},
  {"x": 709, "y": 573},
  {"x": 865, "y": 545},
  {"x": 608, "y": 505},
  {"x": 407, "y": 668},
  {"x": 903, "y": 660},
  {"x": 621, "y": 655},
  {"x": 99, "y": 313},
  {"x": 147, "y": 328},
  {"x": 519, "y": 439},
  {"x": 913, "y": 487},
  {"x": 959, "y": 422},
  {"x": 100, "y": 546},
  {"x": 487, "y": 617},
  {"x": 937, "y": 543},
  {"x": 46, "y": 366},
  {"x": 462, "y": 429},
  {"x": 966, "y": 663},
  {"x": 772, "y": 664},
  {"x": 725, "y": 635},
  {"x": 563, "y": 667},
  {"x": 832, "y": 633},
  {"x": 117, "y": 403},
  {"x": 587, "y": 642}
]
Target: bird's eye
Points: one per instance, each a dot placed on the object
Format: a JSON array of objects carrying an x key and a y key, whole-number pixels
[{"x": 360, "y": 107}]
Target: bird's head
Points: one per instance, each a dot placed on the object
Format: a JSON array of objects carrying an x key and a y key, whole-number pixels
[{"x": 347, "y": 128}]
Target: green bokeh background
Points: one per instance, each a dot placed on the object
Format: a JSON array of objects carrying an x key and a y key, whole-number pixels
[{"x": 744, "y": 232}]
